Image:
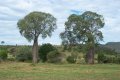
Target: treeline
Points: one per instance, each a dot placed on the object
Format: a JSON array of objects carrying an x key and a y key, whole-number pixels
[{"x": 57, "y": 54}]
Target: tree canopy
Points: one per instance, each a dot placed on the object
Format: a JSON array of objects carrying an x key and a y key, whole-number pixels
[
  {"x": 35, "y": 24},
  {"x": 83, "y": 29}
]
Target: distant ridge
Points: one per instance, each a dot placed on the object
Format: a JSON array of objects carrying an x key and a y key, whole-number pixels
[{"x": 114, "y": 46}]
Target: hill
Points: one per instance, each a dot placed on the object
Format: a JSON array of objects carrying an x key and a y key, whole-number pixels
[{"x": 113, "y": 45}]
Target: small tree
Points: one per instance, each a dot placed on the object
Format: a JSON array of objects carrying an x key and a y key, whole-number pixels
[{"x": 35, "y": 24}]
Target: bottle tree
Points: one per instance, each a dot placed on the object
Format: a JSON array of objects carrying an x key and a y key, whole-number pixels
[{"x": 36, "y": 24}]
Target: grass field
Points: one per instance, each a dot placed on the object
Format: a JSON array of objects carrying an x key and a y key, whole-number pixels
[{"x": 26, "y": 71}]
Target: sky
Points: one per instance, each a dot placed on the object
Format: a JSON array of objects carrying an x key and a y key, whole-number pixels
[{"x": 13, "y": 10}]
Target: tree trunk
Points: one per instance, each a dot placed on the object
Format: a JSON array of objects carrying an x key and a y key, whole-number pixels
[
  {"x": 35, "y": 51},
  {"x": 90, "y": 56}
]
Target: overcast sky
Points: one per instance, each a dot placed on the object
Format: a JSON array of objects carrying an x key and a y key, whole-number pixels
[{"x": 13, "y": 10}]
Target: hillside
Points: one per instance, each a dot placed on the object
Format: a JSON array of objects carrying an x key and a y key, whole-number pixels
[{"x": 113, "y": 45}]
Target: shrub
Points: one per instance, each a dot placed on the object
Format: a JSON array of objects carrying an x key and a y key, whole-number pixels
[
  {"x": 71, "y": 59},
  {"x": 44, "y": 50},
  {"x": 114, "y": 59},
  {"x": 12, "y": 51},
  {"x": 108, "y": 59},
  {"x": 54, "y": 57},
  {"x": 23, "y": 57},
  {"x": 0, "y": 60},
  {"x": 101, "y": 58},
  {"x": 3, "y": 54},
  {"x": 10, "y": 57},
  {"x": 118, "y": 60},
  {"x": 24, "y": 54},
  {"x": 80, "y": 59}
]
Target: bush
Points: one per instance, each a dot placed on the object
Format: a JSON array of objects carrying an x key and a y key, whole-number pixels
[
  {"x": 0, "y": 60},
  {"x": 71, "y": 59},
  {"x": 101, "y": 58},
  {"x": 3, "y": 54},
  {"x": 118, "y": 60},
  {"x": 24, "y": 54},
  {"x": 108, "y": 59},
  {"x": 54, "y": 57},
  {"x": 10, "y": 57},
  {"x": 12, "y": 51},
  {"x": 44, "y": 50},
  {"x": 23, "y": 57},
  {"x": 80, "y": 59}
]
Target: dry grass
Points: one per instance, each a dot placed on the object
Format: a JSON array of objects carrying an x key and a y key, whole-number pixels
[{"x": 26, "y": 71}]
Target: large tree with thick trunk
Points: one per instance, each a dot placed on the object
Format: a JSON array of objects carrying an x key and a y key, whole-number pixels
[
  {"x": 84, "y": 29},
  {"x": 36, "y": 24}
]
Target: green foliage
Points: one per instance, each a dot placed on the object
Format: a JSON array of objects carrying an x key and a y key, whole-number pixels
[
  {"x": 54, "y": 57},
  {"x": 36, "y": 23},
  {"x": 101, "y": 58},
  {"x": 10, "y": 57},
  {"x": 109, "y": 59},
  {"x": 85, "y": 57},
  {"x": 12, "y": 51},
  {"x": 72, "y": 58},
  {"x": 106, "y": 55},
  {"x": 44, "y": 50},
  {"x": 83, "y": 29},
  {"x": 3, "y": 54},
  {"x": 24, "y": 54},
  {"x": 118, "y": 60}
]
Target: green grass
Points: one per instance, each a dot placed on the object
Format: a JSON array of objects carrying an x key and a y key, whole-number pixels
[{"x": 26, "y": 71}]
